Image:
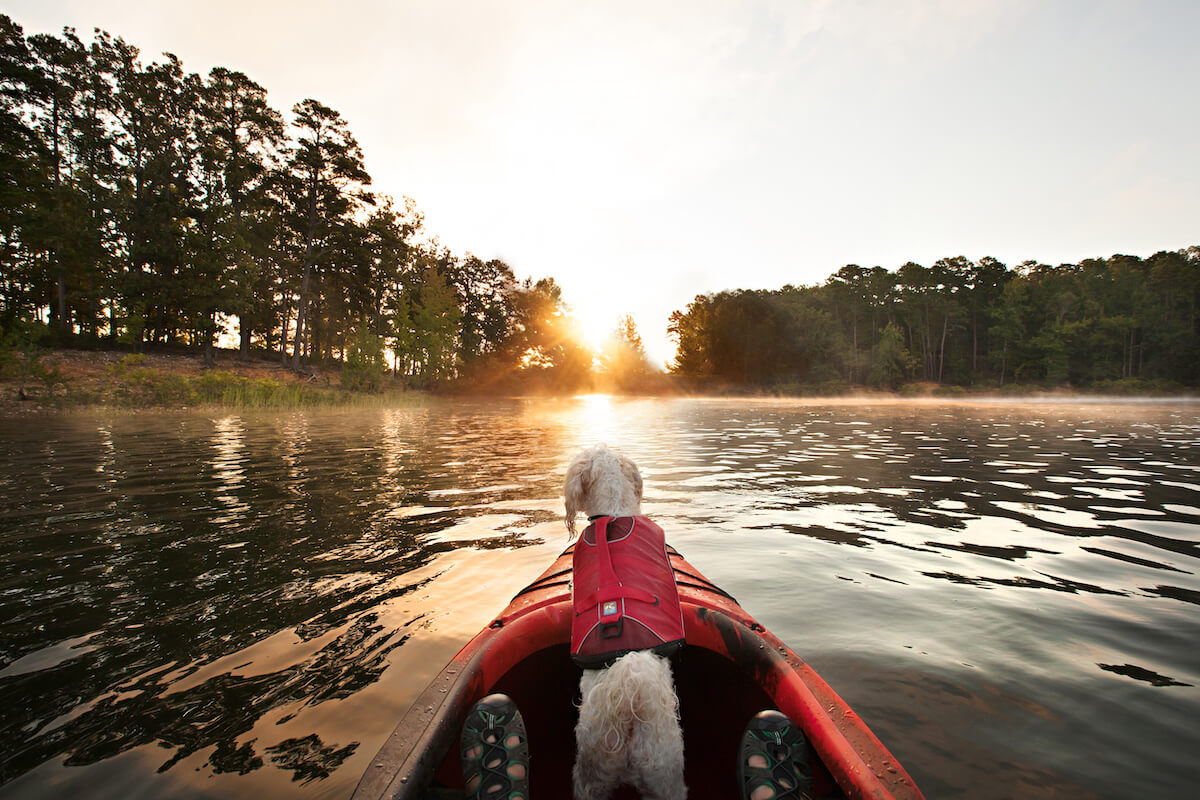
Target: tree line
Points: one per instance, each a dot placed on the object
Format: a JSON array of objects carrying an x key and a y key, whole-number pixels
[
  {"x": 959, "y": 322},
  {"x": 143, "y": 205}
]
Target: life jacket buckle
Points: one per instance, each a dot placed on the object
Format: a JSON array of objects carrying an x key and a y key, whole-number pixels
[{"x": 612, "y": 630}]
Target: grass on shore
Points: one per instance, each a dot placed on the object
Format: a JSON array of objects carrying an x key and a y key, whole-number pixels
[
  {"x": 148, "y": 387},
  {"x": 34, "y": 379},
  {"x": 85, "y": 379}
]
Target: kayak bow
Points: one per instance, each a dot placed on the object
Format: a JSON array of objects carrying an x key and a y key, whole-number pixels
[{"x": 731, "y": 668}]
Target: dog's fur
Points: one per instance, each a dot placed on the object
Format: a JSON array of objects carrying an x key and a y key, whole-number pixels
[{"x": 628, "y": 730}]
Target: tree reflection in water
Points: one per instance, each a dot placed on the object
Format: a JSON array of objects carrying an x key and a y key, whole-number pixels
[{"x": 239, "y": 605}]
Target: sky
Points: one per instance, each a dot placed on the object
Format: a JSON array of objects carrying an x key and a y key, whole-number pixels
[{"x": 642, "y": 153}]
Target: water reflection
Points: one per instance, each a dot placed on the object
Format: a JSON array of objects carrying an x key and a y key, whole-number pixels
[
  {"x": 228, "y": 472},
  {"x": 245, "y": 603}
]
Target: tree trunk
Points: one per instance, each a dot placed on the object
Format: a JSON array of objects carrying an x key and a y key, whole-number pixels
[
  {"x": 315, "y": 339},
  {"x": 974, "y": 343},
  {"x": 927, "y": 344},
  {"x": 854, "y": 336},
  {"x": 283, "y": 330},
  {"x": 1127, "y": 355},
  {"x": 1141, "y": 355},
  {"x": 210, "y": 353},
  {"x": 64, "y": 324},
  {"x": 244, "y": 336},
  {"x": 942, "y": 353},
  {"x": 305, "y": 284}
]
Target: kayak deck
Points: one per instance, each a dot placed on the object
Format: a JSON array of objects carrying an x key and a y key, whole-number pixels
[
  {"x": 708, "y": 694},
  {"x": 731, "y": 669}
]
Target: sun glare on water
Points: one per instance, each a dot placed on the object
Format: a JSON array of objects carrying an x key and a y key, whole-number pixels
[{"x": 597, "y": 416}]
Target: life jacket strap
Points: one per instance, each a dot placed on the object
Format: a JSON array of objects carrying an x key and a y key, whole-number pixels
[{"x": 611, "y": 594}]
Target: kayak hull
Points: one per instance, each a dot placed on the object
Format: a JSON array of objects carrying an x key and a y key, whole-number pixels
[{"x": 731, "y": 668}]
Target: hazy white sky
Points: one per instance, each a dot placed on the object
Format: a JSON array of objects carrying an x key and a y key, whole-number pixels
[{"x": 644, "y": 152}]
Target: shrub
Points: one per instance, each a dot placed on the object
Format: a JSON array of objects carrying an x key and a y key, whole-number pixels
[
  {"x": 365, "y": 369},
  {"x": 171, "y": 389},
  {"x": 126, "y": 364},
  {"x": 1137, "y": 386},
  {"x": 21, "y": 358}
]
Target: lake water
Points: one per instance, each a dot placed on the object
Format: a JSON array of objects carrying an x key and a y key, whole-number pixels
[{"x": 242, "y": 605}]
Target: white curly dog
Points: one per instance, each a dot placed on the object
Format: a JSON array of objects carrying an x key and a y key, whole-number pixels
[{"x": 628, "y": 730}]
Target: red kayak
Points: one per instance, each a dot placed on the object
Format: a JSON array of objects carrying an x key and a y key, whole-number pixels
[{"x": 730, "y": 669}]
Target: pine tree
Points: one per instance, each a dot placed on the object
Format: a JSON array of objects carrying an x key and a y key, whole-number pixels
[
  {"x": 435, "y": 319},
  {"x": 326, "y": 184},
  {"x": 623, "y": 358},
  {"x": 21, "y": 174},
  {"x": 153, "y": 109},
  {"x": 238, "y": 134}
]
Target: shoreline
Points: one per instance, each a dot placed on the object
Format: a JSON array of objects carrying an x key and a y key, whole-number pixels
[{"x": 114, "y": 380}]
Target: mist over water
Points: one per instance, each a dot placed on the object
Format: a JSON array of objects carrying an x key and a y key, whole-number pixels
[{"x": 242, "y": 605}]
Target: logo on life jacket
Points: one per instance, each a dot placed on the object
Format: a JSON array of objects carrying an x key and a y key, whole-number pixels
[{"x": 623, "y": 592}]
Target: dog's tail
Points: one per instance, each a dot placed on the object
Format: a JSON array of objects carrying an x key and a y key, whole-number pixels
[{"x": 637, "y": 691}]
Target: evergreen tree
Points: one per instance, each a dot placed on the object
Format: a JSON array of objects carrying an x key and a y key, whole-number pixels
[
  {"x": 435, "y": 319},
  {"x": 325, "y": 185},
  {"x": 891, "y": 361},
  {"x": 238, "y": 135},
  {"x": 153, "y": 108},
  {"x": 484, "y": 291},
  {"x": 52, "y": 100},
  {"x": 96, "y": 178},
  {"x": 623, "y": 357},
  {"x": 21, "y": 175},
  {"x": 365, "y": 368}
]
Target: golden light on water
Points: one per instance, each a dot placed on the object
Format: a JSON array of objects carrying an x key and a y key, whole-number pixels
[{"x": 597, "y": 416}]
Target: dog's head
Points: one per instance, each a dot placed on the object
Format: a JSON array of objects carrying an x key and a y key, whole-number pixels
[{"x": 602, "y": 481}]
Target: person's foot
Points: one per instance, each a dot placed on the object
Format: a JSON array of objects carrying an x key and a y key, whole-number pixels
[
  {"x": 495, "y": 752},
  {"x": 773, "y": 763}
]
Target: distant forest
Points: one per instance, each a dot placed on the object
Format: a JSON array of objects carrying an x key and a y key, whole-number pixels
[
  {"x": 1112, "y": 324},
  {"x": 144, "y": 206}
]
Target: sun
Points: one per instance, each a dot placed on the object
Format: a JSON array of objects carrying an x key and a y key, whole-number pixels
[
  {"x": 595, "y": 330},
  {"x": 593, "y": 325},
  {"x": 596, "y": 326}
]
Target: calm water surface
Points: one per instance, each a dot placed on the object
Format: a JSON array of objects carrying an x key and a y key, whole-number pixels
[{"x": 241, "y": 605}]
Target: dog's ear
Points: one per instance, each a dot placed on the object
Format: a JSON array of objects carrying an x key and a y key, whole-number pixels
[
  {"x": 631, "y": 473},
  {"x": 575, "y": 489}
]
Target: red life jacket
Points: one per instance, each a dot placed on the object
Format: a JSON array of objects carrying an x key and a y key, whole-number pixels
[{"x": 623, "y": 592}]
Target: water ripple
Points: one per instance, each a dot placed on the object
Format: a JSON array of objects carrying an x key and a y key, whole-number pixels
[{"x": 203, "y": 598}]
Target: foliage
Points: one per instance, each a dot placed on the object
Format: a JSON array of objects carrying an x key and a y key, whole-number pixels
[
  {"x": 890, "y": 360},
  {"x": 145, "y": 206},
  {"x": 135, "y": 385},
  {"x": 127, "y": 363},
  {"x": 1097, "y": 324},
  {"x": 21, "y": 358},
  {"x": 623, "y": 362},
  {"x": 364, "y": 369}
]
